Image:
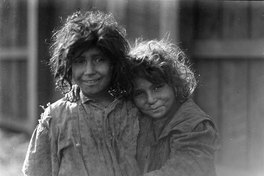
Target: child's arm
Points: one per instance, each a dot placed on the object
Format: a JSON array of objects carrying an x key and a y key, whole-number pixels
[
  {"x": 191, "y": 154},
  {"x": 128, "y": 139},
  {"x": 39, "y": 159}
]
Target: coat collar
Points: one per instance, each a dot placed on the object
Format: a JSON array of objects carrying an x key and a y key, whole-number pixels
[
  {"x": 188, "y": 116},
  {"x": 84, "y": 98}
]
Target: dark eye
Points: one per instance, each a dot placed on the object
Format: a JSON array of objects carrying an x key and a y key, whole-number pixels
[
  {"x": 99, "y": 59},
  {"x": 79, "y": 60},
  {"x": 138, "y": 93},
  {"x": 157, "y": 87}
]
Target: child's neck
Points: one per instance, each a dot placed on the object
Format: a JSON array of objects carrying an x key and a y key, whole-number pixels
[
  {"x": 159, "y": 124},
  {"x": 103, "y": 99}
]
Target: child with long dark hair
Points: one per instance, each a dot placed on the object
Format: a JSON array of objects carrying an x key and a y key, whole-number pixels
[{"x": 96, "y": 134}]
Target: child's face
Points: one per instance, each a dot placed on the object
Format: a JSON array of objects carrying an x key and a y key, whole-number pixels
[
  {"x": 92, "y": 72},
  {"x": 154, "y": 100}
]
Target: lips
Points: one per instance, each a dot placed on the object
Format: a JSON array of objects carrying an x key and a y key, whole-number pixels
[
  {"x": 156, "y": 109},
  {"x": 152, "y": 107},
  {"x": 91, "y": 82}
]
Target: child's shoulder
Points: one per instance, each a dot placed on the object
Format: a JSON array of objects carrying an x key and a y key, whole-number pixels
[
  {"x": 191, "y": 111},
  {"x": 59, "y": 109},
  {"x": 188, "y": 116},
  {"x": 129, "y": 105},
  {"x": 62, "y": 104},
  {"x": 55, "y": 115}
]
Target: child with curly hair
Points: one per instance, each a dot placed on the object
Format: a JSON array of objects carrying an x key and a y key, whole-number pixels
[
  {"x": 96, "y": 134},
  {"x": 176, "y": 137}
]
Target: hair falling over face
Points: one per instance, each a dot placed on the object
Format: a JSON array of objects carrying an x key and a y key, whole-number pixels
[
  {"x": 163, "y": 61},
  {"x": 86, "y": 30}
]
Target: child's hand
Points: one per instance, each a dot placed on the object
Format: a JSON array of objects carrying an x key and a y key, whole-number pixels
[{"x": 74, "y": 94}]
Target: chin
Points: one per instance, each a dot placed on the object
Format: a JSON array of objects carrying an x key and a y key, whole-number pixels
[{"x": 156, "y": 116}]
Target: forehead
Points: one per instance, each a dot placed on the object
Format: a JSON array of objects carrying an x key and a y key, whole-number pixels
[
  {"x": 89, "y": 52},
  {"x": 142, "y": 83}
]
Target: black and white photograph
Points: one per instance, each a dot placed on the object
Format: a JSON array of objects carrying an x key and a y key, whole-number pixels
[{"x": 131, "y": 88}]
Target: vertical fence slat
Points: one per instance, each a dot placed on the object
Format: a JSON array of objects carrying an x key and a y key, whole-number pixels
[
  {"x": 235, "y": 19},
  {"x": 234, "y": 112},
  {"x": 169, "y": 13},
  {"x": 208, "y": 92},
  {"x": 32, "y": 62},
  {"x": 257, "y": 19},
  {"x": 135, "y": 21},
  {"x": 208, "y": 16},
  {"x": 118, "y": 9},
  {"x": 256, "y": 115}
]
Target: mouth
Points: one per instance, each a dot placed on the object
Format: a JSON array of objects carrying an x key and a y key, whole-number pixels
[
  {"x": 154, "y": 110},
  {"x": 91, "y": 82}
]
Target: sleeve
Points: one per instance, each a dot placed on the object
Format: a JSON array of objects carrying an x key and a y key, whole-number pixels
[
  {"x": 192, "y": 153},
  {"x": 40, "y": 160},
  {"x": 129, "y": 144}
]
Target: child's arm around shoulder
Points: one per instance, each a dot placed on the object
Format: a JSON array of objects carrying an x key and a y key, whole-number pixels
[
  {"x": 192, "y": 152},
  {"x": 128, "y": 139}
]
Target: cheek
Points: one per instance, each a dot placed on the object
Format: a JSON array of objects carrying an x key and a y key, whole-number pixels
[
  {"x": 76, "y": 72},
  {"x": 139, "y": 102},
  {"x": 167, "y": 96},
  {"x": 171, "y": 100},
  {"x": 106, "y": 70}
]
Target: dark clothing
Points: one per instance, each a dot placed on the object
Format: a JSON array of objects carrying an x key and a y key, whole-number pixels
[{"x": 185, "y": 146}]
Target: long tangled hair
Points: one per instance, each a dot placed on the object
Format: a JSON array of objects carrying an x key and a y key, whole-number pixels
[
  {"x": 163, "y": 62},
  {"x": 83, "y": 31}
]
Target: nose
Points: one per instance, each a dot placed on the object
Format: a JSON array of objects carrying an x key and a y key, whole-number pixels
[
  {"x": 89, "y": 68},
  {"x": 151, "y": 98}
]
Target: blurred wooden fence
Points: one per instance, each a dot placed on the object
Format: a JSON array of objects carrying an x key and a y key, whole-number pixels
[
  {"x": 224, "y": 39},
  {"x": 228, "y": 52},
  {"x": 18, "y": 53}
]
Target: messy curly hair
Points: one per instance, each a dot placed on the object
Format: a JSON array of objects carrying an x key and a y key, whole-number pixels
[
  {"x": 163, "y": 62},
  {"x": 83, "y": 31}
]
